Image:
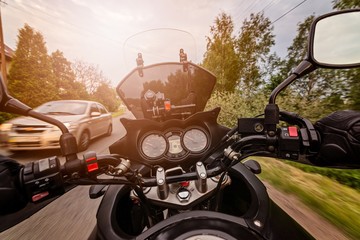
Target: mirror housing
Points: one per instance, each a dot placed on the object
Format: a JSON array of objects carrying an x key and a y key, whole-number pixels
[{"x": 334, "y": 40}]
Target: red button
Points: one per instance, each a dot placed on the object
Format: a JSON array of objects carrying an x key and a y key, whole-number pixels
[
  {"x": 92, "y": 167},
  {"x": 39, "y": 196},
  {"x": 185, "y": 184},
  {"x": 293, "y": 131},
  {"x": 167, "y": 105}
]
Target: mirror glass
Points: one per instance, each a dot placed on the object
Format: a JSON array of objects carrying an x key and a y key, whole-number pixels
[{"x": 336, "y": 40}]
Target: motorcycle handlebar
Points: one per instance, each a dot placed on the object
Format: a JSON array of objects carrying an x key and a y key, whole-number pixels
[{"x": 47, "y": 177}]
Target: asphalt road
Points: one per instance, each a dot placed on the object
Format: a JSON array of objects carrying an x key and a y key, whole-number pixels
[{"x": 71, "y": 216}]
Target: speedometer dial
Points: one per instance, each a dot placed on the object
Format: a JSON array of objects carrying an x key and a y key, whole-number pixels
[
  {"x": 195, "y": 140},
  {"x": 153, "y": 145}
]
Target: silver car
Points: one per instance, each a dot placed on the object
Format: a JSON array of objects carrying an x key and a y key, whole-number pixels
[{"x": 86, "y": 120}]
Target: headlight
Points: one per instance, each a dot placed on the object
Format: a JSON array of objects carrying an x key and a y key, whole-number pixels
[{"x": 5, "y": 127}]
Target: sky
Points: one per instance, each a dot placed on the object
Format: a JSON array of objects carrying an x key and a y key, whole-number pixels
[{"x": 98, "y": 31}]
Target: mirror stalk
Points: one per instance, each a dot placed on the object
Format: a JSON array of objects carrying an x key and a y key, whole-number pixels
[
  {"x": 272, "y": 109},
  {"x": 67, "y": 141},
  {"x": 15, "y": 106},
  {"x": 302, "y": 69}
]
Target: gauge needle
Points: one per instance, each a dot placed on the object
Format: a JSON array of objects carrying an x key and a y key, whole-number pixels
[
  {"x": 150, "y": 144},
  {"x": 190, "y": 138}
]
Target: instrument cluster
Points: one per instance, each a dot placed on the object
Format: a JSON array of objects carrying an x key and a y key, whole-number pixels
[{"x": 174, "y": 144}]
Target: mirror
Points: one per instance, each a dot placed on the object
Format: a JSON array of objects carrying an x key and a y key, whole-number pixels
[{"x": 335, "y": 40}]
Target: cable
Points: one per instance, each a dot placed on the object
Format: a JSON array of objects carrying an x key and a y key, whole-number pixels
[{"x": 288, "y": 12}]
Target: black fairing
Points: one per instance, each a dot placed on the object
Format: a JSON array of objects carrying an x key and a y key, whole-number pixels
[{"x": 231, "y": 222}]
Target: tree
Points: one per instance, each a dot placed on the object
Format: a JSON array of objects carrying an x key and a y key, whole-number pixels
[
  {"x": 220, "y": 57},
  {"x": 31, "y": 79},
  {"x": 96, "y": 84},
  {"x": 320, "y": 92},
  {"x": 274, "y": 72},
  {"x": 65, "y": 78},
  {"x": 345, "y": 4},
  {"x": 353, "y": 75},
  {"x": 89, "y": 75},
  {"x": 106, "y": 95},
  {"x": 253, "y": 46}
]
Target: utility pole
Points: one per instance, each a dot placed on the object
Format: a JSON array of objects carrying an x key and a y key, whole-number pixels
[{"x": 2, "y": 46}]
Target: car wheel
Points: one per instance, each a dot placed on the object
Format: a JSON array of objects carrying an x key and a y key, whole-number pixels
[
  {"x": 109, "y": 131},
  {"x": 84, "y": 141}
]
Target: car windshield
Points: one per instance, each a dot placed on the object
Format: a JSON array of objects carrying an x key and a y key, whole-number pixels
[{"x": 62, "y": 108}]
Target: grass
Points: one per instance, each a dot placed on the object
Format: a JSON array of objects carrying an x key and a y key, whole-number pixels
[
  {"x": 349, "y": 177},
  {"x": 337, "y": 203}
]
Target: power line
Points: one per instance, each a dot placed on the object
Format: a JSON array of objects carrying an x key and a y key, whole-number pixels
[{"x": 288, "y": 12}]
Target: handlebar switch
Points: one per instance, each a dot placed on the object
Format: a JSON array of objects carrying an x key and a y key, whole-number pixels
[
  {"x": 42, "y": 179},
  {"x": 289, "y": 143},
  {"x": 91, "y": 161}
]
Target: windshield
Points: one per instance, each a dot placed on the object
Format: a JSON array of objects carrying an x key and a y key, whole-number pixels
[
  {"x": 62, "y": 108},
  {"x": 165, "y": 83}
]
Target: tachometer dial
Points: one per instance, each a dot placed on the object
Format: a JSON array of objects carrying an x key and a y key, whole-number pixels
[
  {"x": 153, "y": 145},
  {"x": 195, "y": 140}
]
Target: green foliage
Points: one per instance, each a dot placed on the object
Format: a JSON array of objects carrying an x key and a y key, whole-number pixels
[
  {"x": 31, "y": 79},
  {"x": 353, "y": 78},
  {"x": 348, "y": 177},
  {"x": 220, "y": 57},
  {"x": 345, "y": 4},
  {"x": 5, "y": 116},
  {"x": 234, "y": 105},
  {"x": 253, "y": 47},
  {"x": 35, "y": 77},
  {"x": 65, "y": 78},
  {"x": 106, "y": 95},
  {"x": 337, "y": 203}
]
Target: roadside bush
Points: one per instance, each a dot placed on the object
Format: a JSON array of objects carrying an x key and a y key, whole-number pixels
[
  {"x": 348, "y": 177},
  {"x": 5, "y": 116}
]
